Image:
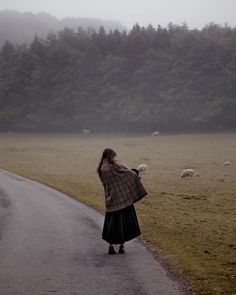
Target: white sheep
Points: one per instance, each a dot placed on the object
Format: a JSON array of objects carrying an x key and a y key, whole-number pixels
[
  {"x": 227, "y": 163},
  {"x": 86, "y": 131},
  {"x": 155, "y": 133},
  {"x": 142, "y": 167},
  {"x": 186, "y": 173}
]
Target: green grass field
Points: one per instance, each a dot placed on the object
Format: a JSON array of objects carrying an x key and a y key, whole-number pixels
[{"x": 189, "y": 221}]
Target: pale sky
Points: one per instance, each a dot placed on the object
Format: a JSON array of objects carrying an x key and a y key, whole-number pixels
[{"x": 196, "y": 13}]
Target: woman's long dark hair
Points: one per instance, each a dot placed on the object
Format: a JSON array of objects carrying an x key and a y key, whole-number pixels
[{"x": 108, "y": 154}]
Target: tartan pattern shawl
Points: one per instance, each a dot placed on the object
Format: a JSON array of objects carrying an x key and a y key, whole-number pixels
[{"x": 121, "y": 185}]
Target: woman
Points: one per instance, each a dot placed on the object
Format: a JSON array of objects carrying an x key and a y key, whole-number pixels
[{"x": 122, "y": 188}]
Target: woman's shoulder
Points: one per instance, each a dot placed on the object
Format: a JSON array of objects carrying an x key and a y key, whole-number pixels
[
  {"x": 120, "y": 165},
  {"x": 117, "y": 166},
  {"x": 122, "y": 168}
]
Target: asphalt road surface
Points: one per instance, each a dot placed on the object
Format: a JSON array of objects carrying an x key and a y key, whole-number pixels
[{"x": 51, "y": 244}]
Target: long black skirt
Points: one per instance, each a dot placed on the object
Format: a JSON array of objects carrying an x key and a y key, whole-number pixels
[{"x": 120, "y": 226}]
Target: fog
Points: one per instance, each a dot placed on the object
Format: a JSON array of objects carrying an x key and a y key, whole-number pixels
[{"x": 128, "y": 12}]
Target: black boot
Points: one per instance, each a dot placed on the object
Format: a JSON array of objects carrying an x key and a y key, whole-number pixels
[
  {"x": 111, "y": 250},
  {"x": 121, "y": 249}
]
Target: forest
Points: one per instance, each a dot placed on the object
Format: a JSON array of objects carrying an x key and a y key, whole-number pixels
[{"x": 171, "y": 79}]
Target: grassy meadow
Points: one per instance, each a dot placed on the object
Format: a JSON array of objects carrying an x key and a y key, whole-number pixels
[{"x": 189, "y": 221}]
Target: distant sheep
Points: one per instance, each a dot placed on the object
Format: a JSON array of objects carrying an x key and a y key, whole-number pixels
[
  {"x": 227, "y": 163},
  {"x": 86, "y": 131},
  {"x": 142, "y": 167},
  {"x": 186, "y": 173},
  {"x": 155, "y": 133}
]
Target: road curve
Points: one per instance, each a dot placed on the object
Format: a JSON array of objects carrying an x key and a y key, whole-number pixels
[{"x": 51, "y": 244}]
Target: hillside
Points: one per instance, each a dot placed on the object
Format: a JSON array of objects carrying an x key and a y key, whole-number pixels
[{"x": 21, "y": 28}]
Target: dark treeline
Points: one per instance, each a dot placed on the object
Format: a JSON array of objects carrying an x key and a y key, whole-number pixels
[{"x": 171, "y": 79}]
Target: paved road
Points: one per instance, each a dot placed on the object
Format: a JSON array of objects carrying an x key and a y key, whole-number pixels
[{"x": 51, "y": 244}]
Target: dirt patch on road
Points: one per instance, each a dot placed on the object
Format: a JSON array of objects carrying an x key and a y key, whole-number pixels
[{"x": 4, "y": 201}]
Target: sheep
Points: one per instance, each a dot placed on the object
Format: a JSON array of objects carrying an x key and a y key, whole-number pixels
[
  {"x": 227, "y": 163},
  {"x": 86, "y": 131},
  {"x": 155, "y": 133},
  {"x": 186, "y": 173},
  {"x": 142, "y": 167}
]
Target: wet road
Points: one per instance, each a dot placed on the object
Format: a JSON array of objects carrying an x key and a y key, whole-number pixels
[{"x": 51, "y": 244}]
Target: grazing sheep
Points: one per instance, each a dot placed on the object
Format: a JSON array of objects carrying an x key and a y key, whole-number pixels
[
  {"x": 142, "y": 167},
  {"x": 186, "y": 173},
  {"x": 227, "y": 163},
  {"x": 155, "y": 133},
  {"x": 86, "y": 131}
]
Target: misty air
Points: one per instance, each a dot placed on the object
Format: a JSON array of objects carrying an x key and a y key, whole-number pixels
[{"x": 117, "y": 147}]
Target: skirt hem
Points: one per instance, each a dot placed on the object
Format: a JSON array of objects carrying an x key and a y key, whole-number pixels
[{"x": 121, "y": 226}]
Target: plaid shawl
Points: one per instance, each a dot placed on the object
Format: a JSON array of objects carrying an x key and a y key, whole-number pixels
[{"x": 121, "y": 185}]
